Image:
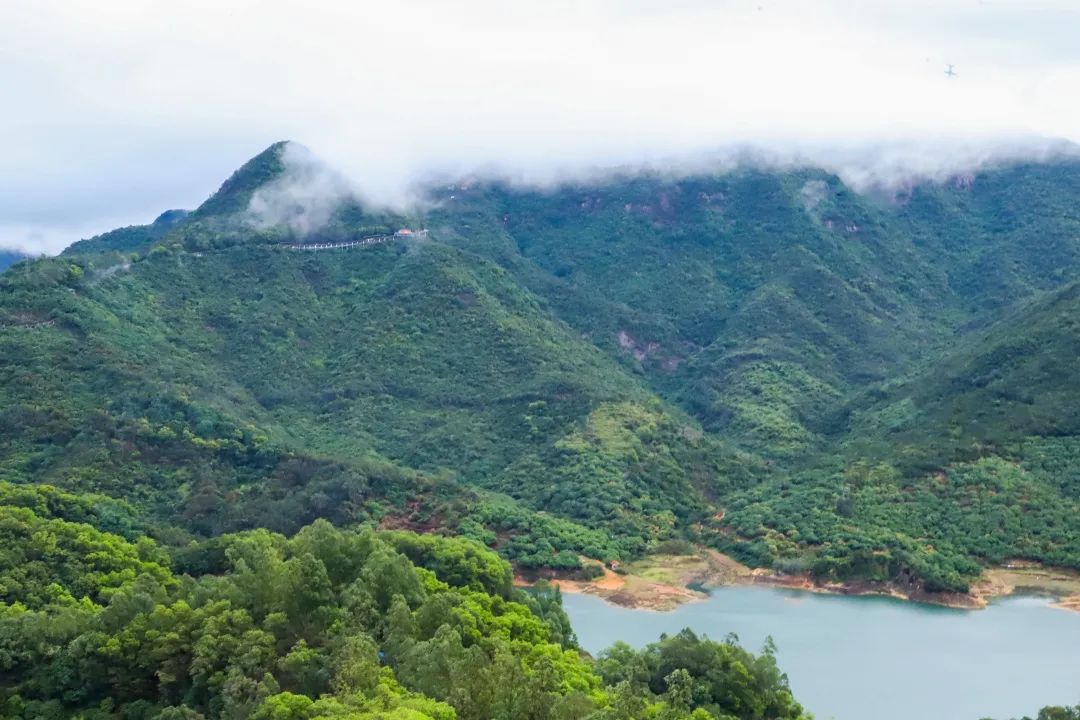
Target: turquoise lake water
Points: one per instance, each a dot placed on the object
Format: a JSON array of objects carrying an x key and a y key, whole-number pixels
[{"x": 866, "y": 658}]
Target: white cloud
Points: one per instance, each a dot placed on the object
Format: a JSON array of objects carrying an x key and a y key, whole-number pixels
[
  {"x": 128, "y": 107},
  {"x": 303, "y": 197},
  {"x": 49, "y": 238}
]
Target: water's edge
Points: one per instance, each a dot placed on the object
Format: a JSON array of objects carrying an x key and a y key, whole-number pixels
[
  {"x": 665, "y": 582},
  {"x": 850, "y": 658}
]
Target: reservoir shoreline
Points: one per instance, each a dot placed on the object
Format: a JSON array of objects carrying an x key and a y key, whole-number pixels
[
  {"x": 665, "y": 582},
  {"x": 851, "y": 658}
]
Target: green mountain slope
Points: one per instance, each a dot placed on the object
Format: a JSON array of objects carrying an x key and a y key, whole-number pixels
[
  {"x": 775, "y": 307},
  {"x": 761, "y": 302},
  {"x": 997, "y": 387},
  {"x": 253, "y": 385},
  {"x": 768, "y": 363},
  {"x": 134, "y": 238},
  {"x": 982, "y": 447}
]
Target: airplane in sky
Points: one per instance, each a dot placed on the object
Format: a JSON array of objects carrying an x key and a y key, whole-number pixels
[{"x": 949, "y": 71}]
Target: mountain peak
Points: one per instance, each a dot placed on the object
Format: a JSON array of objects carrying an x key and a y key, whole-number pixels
[{"x": 235, "y": 193}]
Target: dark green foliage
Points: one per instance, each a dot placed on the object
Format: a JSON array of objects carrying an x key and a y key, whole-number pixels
[
  {"x": 265, "y": 388},
  {"x": 996, "y": 388},
  {"x": 787, "y": 315}
]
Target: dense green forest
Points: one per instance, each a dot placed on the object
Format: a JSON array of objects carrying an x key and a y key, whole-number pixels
[
  {"x": 766, "y": 363},
  {"x": 901, "y": 366},
  {"x": 329, "y": 623}
]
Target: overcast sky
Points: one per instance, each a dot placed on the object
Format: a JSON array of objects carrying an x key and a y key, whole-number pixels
[{"x": 116, "y": 110}]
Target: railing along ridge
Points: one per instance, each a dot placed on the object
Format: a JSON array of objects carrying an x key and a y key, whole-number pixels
[{"x": 361, "y": 242}]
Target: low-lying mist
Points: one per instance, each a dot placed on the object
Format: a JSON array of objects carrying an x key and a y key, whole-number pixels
[
  {"x": 396, "y": 94},
  {"x": 305, "y": 196}
]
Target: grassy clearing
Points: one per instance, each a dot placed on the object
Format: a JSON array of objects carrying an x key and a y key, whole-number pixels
[{"x": 1061, "y": 583}]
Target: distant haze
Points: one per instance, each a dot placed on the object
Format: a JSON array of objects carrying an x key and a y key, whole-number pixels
[{"x": 116, "y": 111}]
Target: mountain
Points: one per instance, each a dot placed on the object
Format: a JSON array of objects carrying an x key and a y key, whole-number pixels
[
  {"x": 761, "y": 299},
  {"x": 997, "y": 387},
  {"x": 762, "y": 361},
  {"x": 774, "y": 306},
  {"x": 133, "y": 238},
  {"x": 255, "y": 386},
  {"x": 235, "y": 193},
  {"x": 9, "y": 258}
]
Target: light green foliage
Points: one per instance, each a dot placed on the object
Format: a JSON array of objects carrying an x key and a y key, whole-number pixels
[
  {"x": 692, "y": 672},
  {"x": 46, "y": 561},
  {"x": 327, "y": 624}
]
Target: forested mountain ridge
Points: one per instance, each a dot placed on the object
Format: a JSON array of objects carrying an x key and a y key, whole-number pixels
[
  {"x": 777, "y": 308},
  {"x": 241, "y": 384},
  {"x": 589, "y": 370},
  {"x": 790, "y": 277}
]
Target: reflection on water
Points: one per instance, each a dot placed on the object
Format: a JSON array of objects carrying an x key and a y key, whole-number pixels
[{"x": 854, "y": 658}]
